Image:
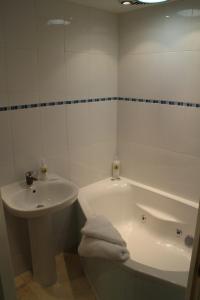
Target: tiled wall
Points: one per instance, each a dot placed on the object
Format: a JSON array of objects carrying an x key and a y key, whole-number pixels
[
  {"x": 160, "y": 59},
  {"x": 41, "y": 63}
]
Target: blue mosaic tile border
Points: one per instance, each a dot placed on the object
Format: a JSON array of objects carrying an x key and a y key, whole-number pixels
[
  {"x": 162, "y": 102},
  {"x": 56, "y": 103},
  {"x": 77, "y": 101}
]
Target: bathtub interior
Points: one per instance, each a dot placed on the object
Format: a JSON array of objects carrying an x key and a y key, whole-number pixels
[{"x": 153, "y": 225}]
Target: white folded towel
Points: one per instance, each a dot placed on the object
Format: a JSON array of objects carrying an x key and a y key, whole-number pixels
[
  {"x": 90, "y": 247},
  {"x": 98, "y": 227},
  {"x": 101, "y": 239}
]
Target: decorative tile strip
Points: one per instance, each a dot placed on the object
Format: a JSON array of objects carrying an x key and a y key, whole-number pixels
[
  {"x": 162, "y": 102},
  {"x": 92, "y": 100},
  {"x": 55, "y": 103}
]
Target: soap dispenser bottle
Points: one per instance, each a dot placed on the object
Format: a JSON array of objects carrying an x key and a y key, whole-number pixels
[
  {"x": 116, "y": 168},
  {"x": 43, "y": 170}
]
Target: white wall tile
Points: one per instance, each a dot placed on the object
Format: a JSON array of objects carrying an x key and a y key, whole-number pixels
[
  {"x": 103, "y": 75},
  {"x": 191, "y": 132},
  {"x": 50, "y": 36},
  {"x": 7, "y": 174},
  {"x": 59, "y": 165},
  {"x": 172, "y": 126},
  {"x": 22, "y": 70},
  {"x": 54, "y": 140},
  {"x": 185, "y": 67},
  {"x": 148, "y": 30},
  {"x": 2, "y": 35},
  {"x": 4, "y": 100},
  {"x": 167, "y": 127},
  {"x": 51, "y": 9},
  {"x": 3, "y": 86},
  {"x": 5, "y": 138},
  {"x": 104, "y": 42},
  {"x": 104, "y": 32},
  {"x": 182, "y": 32},
  {"x": 27, "y": 140},
  {"x": 78, "y": 133},
  {"x": 82, "y": 175},
  {"x": 77, "y": 34},
  {"x": 101, "y": 157},
  {"x": 150, "y": 76},
  {"x": 78, "y": 124},
  {"x": 3, "y": 79},
  {"x": 53, "y": 125},
  {"x": 103, "y": 121},
  {"x": 103, "y": 21},
  {"x": 169, "y": 171},
  {"x": 51, "y": 69},
  {"x": 139, "y": 71},
  {"x": 139, "y": 122},
  {"x": 22, "y": 97},
  {"x": 77, "y": 75},
  {"x": 6, "y": 157},
  {"x": 20, "y": 23},
  {"x": 141, "y": 32}
]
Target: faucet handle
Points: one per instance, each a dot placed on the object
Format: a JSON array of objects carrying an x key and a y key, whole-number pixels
[
  {"x": 30, "y": 178},
  {"x": 29, "y": 173}
]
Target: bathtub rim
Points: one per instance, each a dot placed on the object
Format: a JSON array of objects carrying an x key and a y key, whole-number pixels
[{"x": 182, "y": 200}]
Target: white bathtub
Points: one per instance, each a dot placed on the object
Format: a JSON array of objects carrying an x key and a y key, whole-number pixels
[{"x": 149, "y": 220}]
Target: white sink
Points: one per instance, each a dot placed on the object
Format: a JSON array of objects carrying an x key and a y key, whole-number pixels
[
  {"x": 37, "y": 203},
  {"x": 43, "y": 197}
]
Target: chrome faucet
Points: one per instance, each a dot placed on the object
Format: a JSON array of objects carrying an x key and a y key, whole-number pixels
[{"x": 30, "y": 178}]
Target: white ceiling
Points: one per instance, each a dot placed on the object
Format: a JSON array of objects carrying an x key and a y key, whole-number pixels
[{"x": 110, "y": 5}]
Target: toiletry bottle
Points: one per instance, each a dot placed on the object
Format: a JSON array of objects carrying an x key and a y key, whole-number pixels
[
  {"x": 43, "y": 170},
  {"x": 115, "y": 168}
]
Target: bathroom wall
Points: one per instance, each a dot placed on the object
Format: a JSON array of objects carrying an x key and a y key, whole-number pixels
[
  {"x": 54, "y": 51},
  {"x": 159, "y": 144}
]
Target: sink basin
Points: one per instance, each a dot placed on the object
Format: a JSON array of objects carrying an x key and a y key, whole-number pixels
[
  {"x": 43, "y": 197},
  {"x": 36, "y": 204}
]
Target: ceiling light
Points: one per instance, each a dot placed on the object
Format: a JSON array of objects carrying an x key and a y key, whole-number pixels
[
  {"x": 126, "y": 2},
  {"x": 152, "y": 1}
]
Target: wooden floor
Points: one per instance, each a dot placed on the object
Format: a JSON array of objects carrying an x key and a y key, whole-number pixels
[{"x": 71, "y": 283}]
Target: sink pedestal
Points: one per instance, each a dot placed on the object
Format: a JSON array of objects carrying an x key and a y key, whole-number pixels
[
  {"x": 37, "y": 204},
  {"x": 42, "y": 250}
]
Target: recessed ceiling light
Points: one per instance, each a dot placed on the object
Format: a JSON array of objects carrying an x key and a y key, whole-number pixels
[
  {"x": 152, "y": 1},
  {"x": 126, "y": 2}
]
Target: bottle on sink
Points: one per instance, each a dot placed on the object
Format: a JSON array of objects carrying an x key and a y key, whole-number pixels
[{"x": 43, "y": 170}]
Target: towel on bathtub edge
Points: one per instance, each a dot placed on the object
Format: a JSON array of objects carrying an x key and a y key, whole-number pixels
[
  {"x": 90, "y": 247},
  {"x": 100, "y": 228}
]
